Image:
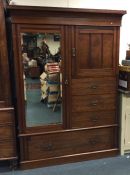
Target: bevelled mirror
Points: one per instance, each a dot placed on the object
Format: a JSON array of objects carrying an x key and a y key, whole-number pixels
[{"x": 42, "y": 77}]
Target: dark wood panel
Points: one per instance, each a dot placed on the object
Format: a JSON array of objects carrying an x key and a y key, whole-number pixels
[
  {"x": 95, "y": 55},
  {"x": 7, "y": 149},
  {"x": 108, "y": 46},
  {"x": 93, "y": 102},
  {"x": 2, "y": 104},
  {"x": 71, "y": 16},
  {"x": 6, "y": 115},
  {"x": 92, "y": 119},
  {"x": 4, "y": 66},
  {"x": 6, "y": 132},
  {"x": 1, "y": 94},
  {"x": 93, "y": 86},
  {"x": 96, "y": 51},
  {"x": 68, "y": 143},
  {"x": 84, "y": 53}
]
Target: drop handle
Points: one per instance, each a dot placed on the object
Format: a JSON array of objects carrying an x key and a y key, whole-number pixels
[
  {"x": 93, "y": 87},
  {"x": 94, "y": 103},
  {"x": 94, "y": 119},
  {"x": 47, "y": 147},
  {"x": 93, "y": 141}
]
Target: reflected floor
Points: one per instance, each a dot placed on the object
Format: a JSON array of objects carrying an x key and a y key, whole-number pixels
[{"x": 37, "y": 111}]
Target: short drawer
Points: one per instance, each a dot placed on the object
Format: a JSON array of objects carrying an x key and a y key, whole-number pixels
[
  {"x": 6, "y": 115},
  {"x": 71, "y": 142},
  {"x": 90, "y": 119},
  {"x": 93, "y": 86},
  {"x": 6, "y": 132},
  {"x": 7, "y": 149},
  {"x": 93, "y": 102}
]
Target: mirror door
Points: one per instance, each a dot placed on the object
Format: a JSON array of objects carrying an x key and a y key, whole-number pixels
[{"x": 41, "y": 59}]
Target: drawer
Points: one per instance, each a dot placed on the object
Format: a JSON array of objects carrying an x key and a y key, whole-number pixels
[
  {"x": 90, "y": 119},
  {"x": 93, "y": 86},
  {"x": 93, "y": 102},
  {"x": 6, "y": 115},
  {"x": 7, "y": 149},
  {"x": 71, "y": 142},
  {"x": 6, "y": 132}
]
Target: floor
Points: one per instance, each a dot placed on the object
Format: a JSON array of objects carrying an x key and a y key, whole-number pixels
[
  {"x": 119, "y": 165},
  {"x": 37, "y": 111}
]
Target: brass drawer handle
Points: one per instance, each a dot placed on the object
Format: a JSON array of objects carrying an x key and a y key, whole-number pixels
[
  {"x": 94, "y": 118},
  {"x": 47, "y": 147},
  {"x": 93, "y": 141},
  {"x": 94, "y": 103},
  {"x": 94, "y": 87}
]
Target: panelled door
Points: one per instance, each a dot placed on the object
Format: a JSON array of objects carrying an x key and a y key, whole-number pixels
[{"x": 95, "y": 51}]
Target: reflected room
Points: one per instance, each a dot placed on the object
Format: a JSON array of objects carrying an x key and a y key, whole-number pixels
[{"x": 42, "y": 76}]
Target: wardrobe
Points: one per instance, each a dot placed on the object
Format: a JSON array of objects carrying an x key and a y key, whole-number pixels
[
  {"x": 8, "y": 150},
  {"x": 83, "y": 123}
]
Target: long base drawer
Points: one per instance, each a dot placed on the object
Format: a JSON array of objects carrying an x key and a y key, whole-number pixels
[{"x": 70, "y": 142}]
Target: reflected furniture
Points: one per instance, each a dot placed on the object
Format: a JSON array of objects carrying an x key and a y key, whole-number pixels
[
  {"x": 7, "y": 116},
  {"x": 89, "y": 52}
]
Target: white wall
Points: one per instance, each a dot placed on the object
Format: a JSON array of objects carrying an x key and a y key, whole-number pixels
[{"x": 95, "y": 4}]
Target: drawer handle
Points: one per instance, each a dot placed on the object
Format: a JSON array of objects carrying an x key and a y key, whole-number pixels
[
  {"x": 93, "y": 141},
  {"x": 93, "y": 87},
  {"x": 94, "y": 118},
  {"x": 47, "y": 147},
  {"x": 94, "y": 103}
]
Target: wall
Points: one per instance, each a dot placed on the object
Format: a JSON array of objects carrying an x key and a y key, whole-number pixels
[
  {"x": 95, "y": 4},
  {"x": 53, "y": 45}
]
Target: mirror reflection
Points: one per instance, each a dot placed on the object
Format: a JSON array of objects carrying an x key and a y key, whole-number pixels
[{"x": 41, "y": 57}]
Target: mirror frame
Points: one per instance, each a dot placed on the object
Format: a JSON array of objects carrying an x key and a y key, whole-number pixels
[{"x": 19, "y": 76}]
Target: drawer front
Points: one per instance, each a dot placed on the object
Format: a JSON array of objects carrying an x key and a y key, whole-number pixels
[
  {"x": 93, "y": 86},
  {"x": 6, "y": 132},
  {"x": 90, "y": 119},
  {"x": 6, "y": 116},
  {"x": 7, "y": 149},
  {"x": 71, "y": 142},
  {"x": 93, "y": 102}
]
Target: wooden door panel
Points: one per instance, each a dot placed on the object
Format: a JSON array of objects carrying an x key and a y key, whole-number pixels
[
  {"x": 84, "y": 48},
  {"x": 107, "y": 44},
  {"x": 94, "y": 52}
]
